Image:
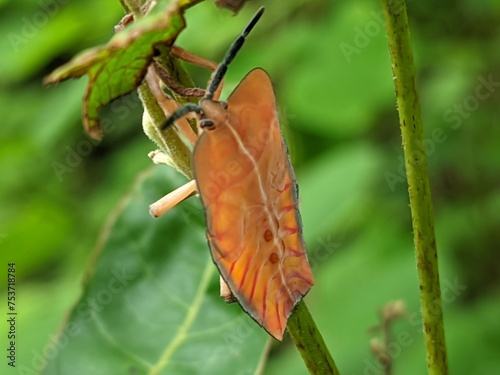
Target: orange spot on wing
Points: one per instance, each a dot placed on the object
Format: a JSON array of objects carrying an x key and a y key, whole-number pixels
[
  {"x": 274, "y": 258},
  {"x": 268, "y": 235}
]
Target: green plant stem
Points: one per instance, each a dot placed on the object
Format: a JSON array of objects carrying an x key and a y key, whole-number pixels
[
  {"x": 309, "y": 342},
  {"x": 418, "y": 183}
]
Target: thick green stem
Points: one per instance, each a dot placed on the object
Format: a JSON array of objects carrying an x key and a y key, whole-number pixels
[
  {"x": 418, "y": 183},
  {"x": 309, "y": 342}
]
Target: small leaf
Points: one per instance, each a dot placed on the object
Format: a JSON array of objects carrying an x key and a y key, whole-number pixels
[
  {"x": 151, "y": 304},
  {"x": 118, "y": 67}
]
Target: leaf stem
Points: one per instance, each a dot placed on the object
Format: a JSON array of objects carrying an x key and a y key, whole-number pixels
[
  {"x": 309, "y": 342},
  {"x": 418, "y": 183}
]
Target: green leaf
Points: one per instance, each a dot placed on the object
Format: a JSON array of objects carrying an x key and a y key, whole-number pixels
[
  {"x": 151, "y": 304},
  {"x": 118, "y": 67}
]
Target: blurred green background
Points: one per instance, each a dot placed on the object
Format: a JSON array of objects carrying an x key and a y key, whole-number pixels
[{"x": 330, "y": 66}]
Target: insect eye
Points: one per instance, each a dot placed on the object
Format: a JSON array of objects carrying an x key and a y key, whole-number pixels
[{"x": 207, "y": 123}]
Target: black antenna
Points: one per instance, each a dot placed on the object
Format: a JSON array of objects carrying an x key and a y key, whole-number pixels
[
  {"x": 231, "y": 53},
  {"x": 219, "y": 73},
  {"x": 181, "y": 112}
]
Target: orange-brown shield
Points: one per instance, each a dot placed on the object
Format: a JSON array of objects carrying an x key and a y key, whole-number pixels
[{"x": 247, "y": 186}]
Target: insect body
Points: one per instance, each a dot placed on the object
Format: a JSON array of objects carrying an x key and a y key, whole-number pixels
[{"x": 247, "y": 186}]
